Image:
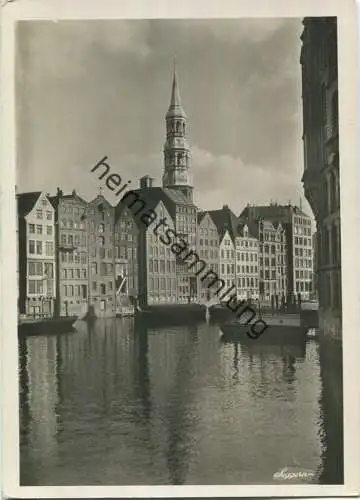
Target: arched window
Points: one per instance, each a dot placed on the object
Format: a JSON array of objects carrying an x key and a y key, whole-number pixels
[
  {"x": 102, "y": 241},
  {"x": 101, "y": 227},
  {"x": 178, "y": 125}
]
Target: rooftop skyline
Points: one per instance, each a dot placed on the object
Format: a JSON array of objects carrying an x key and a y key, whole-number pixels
[{"x": 89, "y": 89}]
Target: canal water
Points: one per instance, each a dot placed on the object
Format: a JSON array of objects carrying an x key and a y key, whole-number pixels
[{"x": 119, "y": 405}]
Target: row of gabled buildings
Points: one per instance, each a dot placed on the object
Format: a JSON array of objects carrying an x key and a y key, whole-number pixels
[{"x": 74, "y": 254}]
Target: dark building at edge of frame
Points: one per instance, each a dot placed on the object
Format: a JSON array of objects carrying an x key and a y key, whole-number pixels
[{"x": 321, "y": 160}]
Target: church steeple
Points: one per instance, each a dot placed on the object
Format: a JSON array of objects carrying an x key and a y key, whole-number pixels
[
  {"x": 175, "y": 108},
  {"x": 177, "y": 153}
]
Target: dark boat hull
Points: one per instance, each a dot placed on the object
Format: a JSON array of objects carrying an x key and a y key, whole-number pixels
[
  {"x": 49, "y": 326},
  {"x": 272, "y": 334}
]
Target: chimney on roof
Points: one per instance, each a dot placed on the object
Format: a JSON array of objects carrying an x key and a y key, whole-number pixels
[
  {"x": 225, "y": 207},
  {"x": 146, "y": 182},
  {"x": 73, "y": 192},
  {"x": 59, "y": 192}
]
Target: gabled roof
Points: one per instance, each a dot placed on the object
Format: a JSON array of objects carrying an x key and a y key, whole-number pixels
[
  {"x": 54, "y": 200},
  {"x": 148, "y": 198},
  {"x": 101, "y": 200},
  {"x": 201, "y": 216},
  {"x": 26, "y": 202},
  {"x": 176, "y": 196},
  {"x": 151, "y": 196},
  {"x": 273, "y": 212},
  {"x": 225, "y": 220},
  {"x": 253, "y": 228}
]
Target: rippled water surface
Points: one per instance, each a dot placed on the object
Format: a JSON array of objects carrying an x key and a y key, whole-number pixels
[{"x": 173, "y": 405}]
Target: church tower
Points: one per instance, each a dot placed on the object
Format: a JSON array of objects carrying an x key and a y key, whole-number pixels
[{"x": 177, "y": 155}]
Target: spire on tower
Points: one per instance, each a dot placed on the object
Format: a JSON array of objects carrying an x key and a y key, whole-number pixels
[{"x": 175, "y": 108}]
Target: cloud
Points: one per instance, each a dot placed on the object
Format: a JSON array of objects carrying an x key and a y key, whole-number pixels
[
  {"x": 252, "y": 30},
  {"x": 224, "y": 179},
  {"x": 71, "y": 45}
]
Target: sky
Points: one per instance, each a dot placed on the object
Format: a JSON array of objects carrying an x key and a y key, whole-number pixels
[{"x": 89, "y": 89}]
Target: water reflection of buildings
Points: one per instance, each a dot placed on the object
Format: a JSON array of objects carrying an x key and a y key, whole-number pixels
[
  {"x": 140, "y": 399},
  {"x": 271, "y": 367},
  {"x": 39, "y": 397},
  {"x": 138, "y": 387},
  {"x": 171, "y": 362}
]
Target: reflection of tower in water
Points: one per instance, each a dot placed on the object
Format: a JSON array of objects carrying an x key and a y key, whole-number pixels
[
  {"x": 141, "y": 372},
  {"x": 180, "y": 419},
  {"x": 172, "y": 363}
]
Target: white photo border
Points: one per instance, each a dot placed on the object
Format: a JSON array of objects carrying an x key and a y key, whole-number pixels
[{"x": 345, "y": 10}]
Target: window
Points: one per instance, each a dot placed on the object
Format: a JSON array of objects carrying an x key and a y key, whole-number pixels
[
  {"x": 32, "y": 269},
  {"x": 49, "y": 248},
  {"x": 63, "y": 239},
  {"x": 101, "y": 228},
  {"x": 32, "y": 286},
  {"x": 94, "y": 286},
  {"x": 31, "y": 246},
  {"x": 38, "y": 229},
  {"x": 70, "y": 239},
  {"x": 49, "y": 230},
  {"x": 39, "y": 214},
  {"x": 49, "y": 215},
  {"x": 39, "y": 247},
  {"x": 31, "y": 228},
  {"x": 102, "y": 289}
]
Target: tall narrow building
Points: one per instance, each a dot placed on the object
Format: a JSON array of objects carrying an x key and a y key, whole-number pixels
[
  {"x": 321, "y": 178},
  {"x": 177, "y": 155}
]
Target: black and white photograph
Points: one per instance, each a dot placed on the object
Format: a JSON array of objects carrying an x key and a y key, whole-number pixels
[{"x": 179, "y": 253}]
